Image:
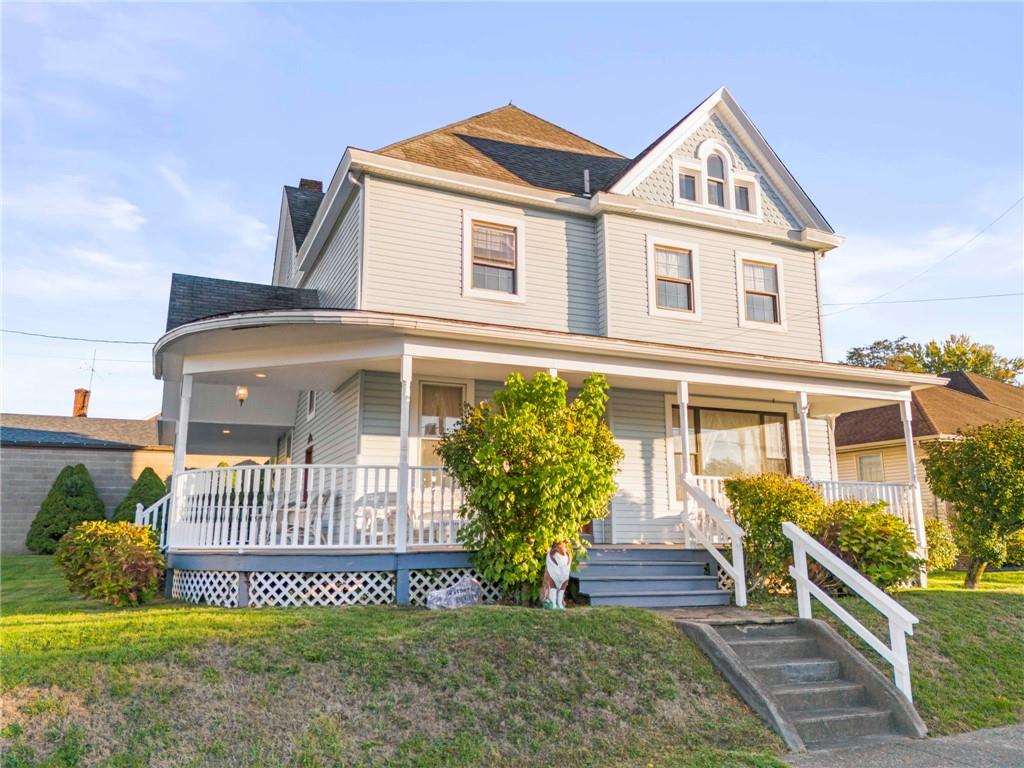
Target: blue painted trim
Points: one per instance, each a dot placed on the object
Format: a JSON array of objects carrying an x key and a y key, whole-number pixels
[
  {"x": 318, "y": 562},
  {"x": 402, "y": 586},
  {"x": 168, "y": 580},
  {"x": 243, "y": 590}
]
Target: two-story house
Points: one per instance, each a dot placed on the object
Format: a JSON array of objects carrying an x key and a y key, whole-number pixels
[{"x": 430, "y": 269}]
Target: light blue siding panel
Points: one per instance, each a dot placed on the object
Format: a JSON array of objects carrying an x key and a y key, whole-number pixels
[
  {"x": 381, "y": 409},
  {"x": 336, "y": 272},
  {"x": 334, "y": 426}
]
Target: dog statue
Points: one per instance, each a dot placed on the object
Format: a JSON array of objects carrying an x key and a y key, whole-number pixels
[{"x": 556, "y": 576}]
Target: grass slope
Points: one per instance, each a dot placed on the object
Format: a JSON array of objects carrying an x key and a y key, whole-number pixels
[
  {"x": 175, "y": 685},
  {"x": 966, "y": 653}
]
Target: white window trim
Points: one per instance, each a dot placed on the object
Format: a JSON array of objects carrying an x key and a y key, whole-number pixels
[
  {"x": 468, "y": 388},
  {"x": 468, "y": 217},
  {"x": 733, "y": 173},
  {"x": 654, "y": 239},
  {"x": 310, "y": 404},
  {"x": 881, "y": 463},
  {"x": 741, "y": 304}
]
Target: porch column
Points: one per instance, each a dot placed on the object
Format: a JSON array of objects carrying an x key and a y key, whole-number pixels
[
  {"x": 402, "y": 514},
  {"x": 553, "y": 372},
  {"x": 178, "y": 462},
  {"x": 805, "y": 441},
  {"x": 683, "y": 398},
  {"x": 906, "y": 415},
  {"x": 833, "y": 459}
]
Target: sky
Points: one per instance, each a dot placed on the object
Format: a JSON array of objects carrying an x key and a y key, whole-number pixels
[{"x": 141, "y": 140}]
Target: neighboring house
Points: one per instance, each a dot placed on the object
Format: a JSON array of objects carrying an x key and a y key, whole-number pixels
[
  {"x": 431, "y": 269},
  {"x": 34, "y": 449},
  {"x": 869, "y": 443}
]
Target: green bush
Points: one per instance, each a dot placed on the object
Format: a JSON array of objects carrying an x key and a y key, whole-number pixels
[
  {"x": 72, "y": 499},
  {"x": 942, "y": 549},
  {"x": 535, "y": 470},
  {"x": 117, "y": 562},
  {"x": 870, "y": 539},
  {"x": 761, "y": 504},
  {"x": 1015, "y": 548},
  {"x": 147, "y": 490}
]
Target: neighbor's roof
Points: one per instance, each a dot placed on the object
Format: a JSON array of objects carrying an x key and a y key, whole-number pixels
[
  {"x": 302, "y": 207},
  {"x": 509, "y": 144},
  {"x": 936, "y": 411},
  {"x": 197, "y": 298},
  {"x": 78, "y": 432}
]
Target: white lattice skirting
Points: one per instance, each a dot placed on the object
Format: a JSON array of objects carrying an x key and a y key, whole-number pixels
[
  {"x": 423, "y": 581},
  {"x": 218, "y": 588},
  {"x": 282, "y": 588}
]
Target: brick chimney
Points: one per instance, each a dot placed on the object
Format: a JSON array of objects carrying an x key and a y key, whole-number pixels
[
  {"x": 311, "y": 184},
  {"x": 81, "y": 403}
]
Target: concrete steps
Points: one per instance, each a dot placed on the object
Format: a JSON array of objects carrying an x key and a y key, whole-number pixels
[
  {"x": 650, "y": 577},
  {"x": 808, "y": 683}
]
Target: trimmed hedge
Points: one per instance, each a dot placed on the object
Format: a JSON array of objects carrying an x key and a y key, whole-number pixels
[
  {"x": 117, "y": 562},
  {"x": 942, "y": 549},
  {"x": 72, "y": 499},
  {"x": 146, "y": 490}
]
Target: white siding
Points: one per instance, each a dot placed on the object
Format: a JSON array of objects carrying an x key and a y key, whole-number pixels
[
  {"x": 717, "y": 290},
  {"x": 334, "y": 426},
  {"x": 896, "y": 470},
  {"x": 336, "y": 272},
  {"x": 413, "y": 257}
]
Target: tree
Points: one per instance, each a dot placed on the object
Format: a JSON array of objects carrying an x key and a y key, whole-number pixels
[
  {"x": 535, "y": 469},
  {"x": 146, "y": 490},
  {"x": 72, "y": 499},
  {"x": 982, "y": 474},
  {"x": 957, "y": 353}
]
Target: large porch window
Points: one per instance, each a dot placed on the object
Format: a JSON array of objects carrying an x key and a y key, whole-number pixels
[
  {"x": 727, "y": 442},
  {"x": 440, "y": 411}
]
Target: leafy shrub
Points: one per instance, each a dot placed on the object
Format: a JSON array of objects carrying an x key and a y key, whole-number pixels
[
  {"x": 1015, "y": 548},
  {"x": 146, "y": 490},
  {"x": 761, "y": 504},
  {"x": 982, "y": 474},
  {"x": 535, "y": 469},
  {"x": 878, "y": 544},
  {"x": 72, "y": 498},
  {"x": 116, "y": 562},
  {"x": 942, "y": 549}
]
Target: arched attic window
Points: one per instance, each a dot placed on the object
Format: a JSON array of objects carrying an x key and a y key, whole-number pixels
[{"x": 716, "y": 180}]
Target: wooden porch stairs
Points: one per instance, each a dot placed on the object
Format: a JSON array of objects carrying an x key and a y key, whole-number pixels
[{"x": 650, "y": 577}]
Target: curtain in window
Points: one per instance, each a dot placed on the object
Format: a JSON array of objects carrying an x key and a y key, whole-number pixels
[
  {"x": 730, "y": 442},
  {"x": 440, "y": 408}
]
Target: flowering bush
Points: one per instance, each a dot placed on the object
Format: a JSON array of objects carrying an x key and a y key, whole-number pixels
[{"x": 117, "y": 562}]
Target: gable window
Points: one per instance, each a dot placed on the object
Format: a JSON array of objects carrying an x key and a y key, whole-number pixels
[
  {"x": 673, "y": 268},
  {"x": 688, "y": 187},
  {"x": 310, "y": 404},
  {"x": 493, "y": 265},
  {"x": 869, "y": 468},
  {"x": 761, "y": 292},
  {"x": 742, "y": 198},
  {"x": 726, "y": 442},
  {"x": 716, "y": 180}
]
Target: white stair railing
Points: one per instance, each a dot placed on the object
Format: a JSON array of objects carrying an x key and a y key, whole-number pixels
[
  {"x": 155, "y": 516},
  {"x": 709, "y": 524},
  {"x": 901, "y": 621}
]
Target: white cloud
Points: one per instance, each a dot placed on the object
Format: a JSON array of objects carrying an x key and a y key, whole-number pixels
[{"x": 70, "y": 203}]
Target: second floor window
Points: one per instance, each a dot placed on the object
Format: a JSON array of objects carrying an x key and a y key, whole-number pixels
[
  {"x": 673, "y": 278},
  {"x": 494, "y": 257},
  {"x": 716, "y": 181},
  {"x": 688, "y": 186},
  {"x": 761, "y": 292},
  {"x": 742, "y": 198}
]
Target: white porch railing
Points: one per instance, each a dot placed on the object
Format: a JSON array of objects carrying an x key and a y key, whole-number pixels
[
  {"x": 714, "y": 487},
  {"x": 711, "y": 526},
  {"x": 901, "y": 621},
  {"x": 311, "y": 506},
  {"x": 899, "y": 496},
  {"x": 155, "y": 516}
]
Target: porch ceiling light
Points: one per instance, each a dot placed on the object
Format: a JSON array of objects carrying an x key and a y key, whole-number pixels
[
  {"x": 226, "y": 431},
  {"x": 260, "y": 375},
  {"x": 241, "y": 393}
]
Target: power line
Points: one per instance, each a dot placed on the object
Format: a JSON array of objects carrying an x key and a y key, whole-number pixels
[
  {"x": 74, "y": 338},
  {"x": 920, "y": 301}
]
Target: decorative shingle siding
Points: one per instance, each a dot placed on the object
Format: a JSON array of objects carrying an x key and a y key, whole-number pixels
[
  {"x": 658, "y": 187},
  {"x": 413, "y": 253},
  {"x": 716, "y": 288},
  {"x": 336, "y": 274}
]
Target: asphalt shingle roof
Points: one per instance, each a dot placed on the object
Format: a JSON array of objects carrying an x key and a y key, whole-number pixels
[
  {"x": 77, "y": 432},
  {"x": 196, "y": 298},
  {"x": 512, "y": 145},
  {"x": 302, "y": 207},
  {"x": 936, "y": 411}
]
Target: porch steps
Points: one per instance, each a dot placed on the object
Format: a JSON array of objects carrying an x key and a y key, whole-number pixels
[
  {"x": 650, "y": 577},
  {"x": 814, "y": 688}
]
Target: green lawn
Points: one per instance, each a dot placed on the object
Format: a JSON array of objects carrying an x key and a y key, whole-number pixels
[
  {"x": 966, "y": 653},
  {"x": 175, "y": 685}
]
